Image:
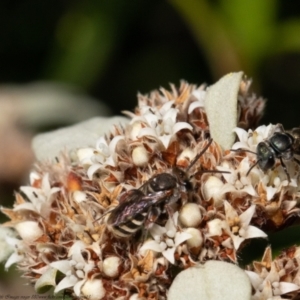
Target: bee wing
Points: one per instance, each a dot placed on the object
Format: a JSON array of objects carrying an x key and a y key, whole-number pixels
[{"x": 136, "y": 204}]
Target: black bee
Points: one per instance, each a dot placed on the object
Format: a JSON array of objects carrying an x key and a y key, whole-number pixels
[
  {"x": 280, "y": 145},
  {"x": 146, "y": 203},
  {"x": 130, "y": 215}
]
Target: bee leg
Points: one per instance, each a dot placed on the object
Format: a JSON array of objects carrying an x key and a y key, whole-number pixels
[
  {"x": 285, "y": 169},
  {"x": 297, "y": 160},
  {"x": 153, "y": 215}
]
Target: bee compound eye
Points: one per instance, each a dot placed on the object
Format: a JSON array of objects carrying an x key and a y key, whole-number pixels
[{"x": 266, "y": 156}]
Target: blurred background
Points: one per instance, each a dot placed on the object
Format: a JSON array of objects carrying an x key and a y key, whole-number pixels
[{"x": 62, "y": 62}]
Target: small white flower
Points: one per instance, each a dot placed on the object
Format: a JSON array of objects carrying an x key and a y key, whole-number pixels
[
  {"x": 99, "y": 157},
  {"x": 166, "y": 239},
  {"x": 75, "y": 268},
  {"x": 15, "y": 246},
  {"x": 249, "y": 140},
  {"x": 160, "y": 124},
  {"x": 40, "y": 198},
  {"x": 238, "y": 226},
  {"x": 267, "y": 285},
  {"x": 240, "y": 182}
]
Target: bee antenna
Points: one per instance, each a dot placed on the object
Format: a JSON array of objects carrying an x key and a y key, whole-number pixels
[
  {"x": 103, "y": 215},
  {"x": 199, "y": 155},
  {"x": 242, "y": 150},
  {"x": 252, "y": 167},
  {"x": 211, "y": 171}
]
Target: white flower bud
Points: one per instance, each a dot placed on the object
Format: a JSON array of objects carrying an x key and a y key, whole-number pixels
[
  {"x": 135, "y": 130},
  {"x": 111, "y": 266},
  {"x": 85, "y": 154},
  {"x": 190, "y": 215},
  {"x": 196, "y": 240},
  {"x": 186, "y": 154},
  {"x": 29, "y": 230},
  {"x": 93, "y": 289},
  {"x": 212, "y": 189},
  {"x": 79, "y": 196},
  {"x": 215, "y": 227},
  {"x": 140, "y": 156}
]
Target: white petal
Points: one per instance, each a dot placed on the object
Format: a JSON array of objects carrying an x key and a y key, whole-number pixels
[
  {"x": 169, "y": 255},
  {"x": 237, "y": 240},
  {"x": 254, "y": 232},
  {"x": 14, "y": 258},
  {"x": 255, "y": 279},
  {"x": 247, "y": 215},
  {"x": 157, "y": 231},
  {"x": 110, "y": 161},
  {"x": 229, "y": 211},
  {"x": 75, "y": 251},
  {"x": 199, "y": 94},
  {"x": 241, "y": 133},
  {"x": 240, "y": 145},
  {"x": 170, "y": 114},
  {"x": 166, "y": 107},
  {"x": 25, "y": 206},
  {"x": 147, "y": 132},
  {"x": 151, "y": 119},
  {"x": 101, "y": 141},
  {"x": 33, "y": 176},
  {"x": 92, "y": 169},
  {"x": 249, "y": 189},
  {"x": 62, "y": 265},
  {"x": 271, "y": 191},
  {"x": 152, "y": 245},
  {"x": 194, "y": 105},
  {"x": 165, "y": 139},
  {"x": 77, "y": 287},
  {"x": 114, "y": 142},
  {"x": 287, "y": 287},
  {"x": 65, "y": 283},
  {"x": 180, "y": 237},
  {"x": 172, "y": 222},
  {"x": 181, "y": 125}
]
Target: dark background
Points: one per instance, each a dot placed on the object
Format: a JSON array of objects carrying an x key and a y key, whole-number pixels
[{"x": 114, "y": 49}]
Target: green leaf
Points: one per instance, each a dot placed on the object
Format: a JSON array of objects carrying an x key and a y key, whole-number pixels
[
  {"x": 288, "y": 37},
  {"x": 252, "y": 24}
]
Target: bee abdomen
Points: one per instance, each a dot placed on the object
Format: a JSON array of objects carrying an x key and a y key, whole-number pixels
[{"x": 131, "y": 226}]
